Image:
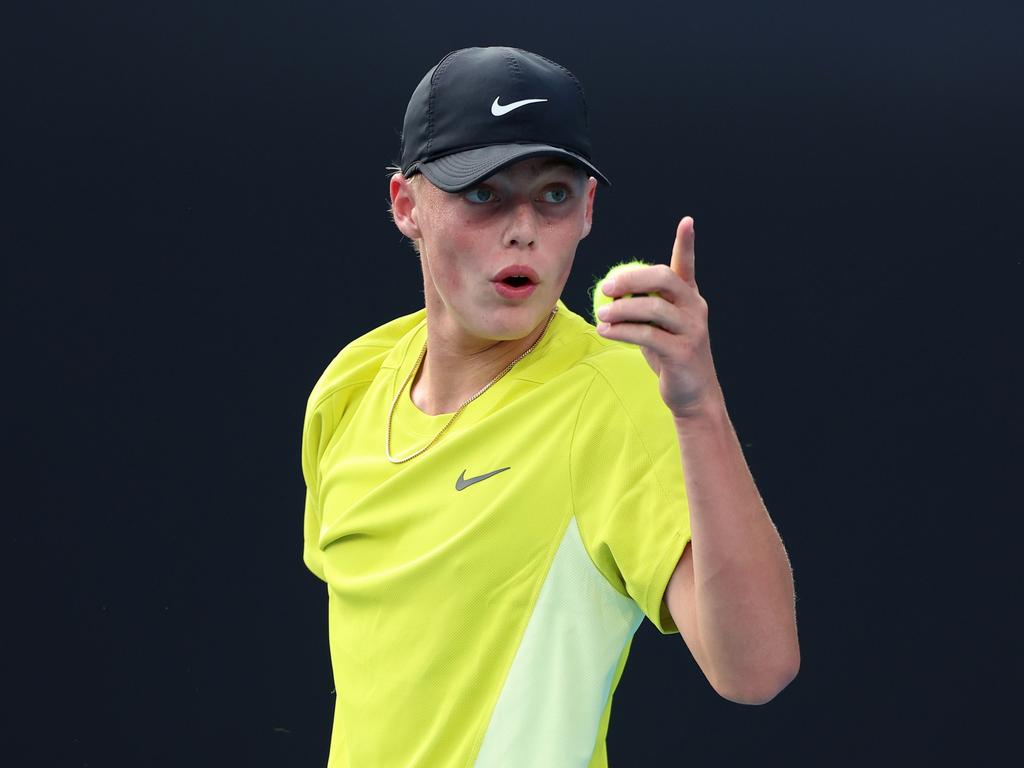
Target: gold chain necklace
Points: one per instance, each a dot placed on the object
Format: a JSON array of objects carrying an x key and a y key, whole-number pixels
[{"x": 416, "y": 367}]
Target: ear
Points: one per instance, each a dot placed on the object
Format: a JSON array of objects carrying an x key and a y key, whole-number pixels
[
  {"x": 403, "y": 207},
  {"x": 588, "y": 215}
]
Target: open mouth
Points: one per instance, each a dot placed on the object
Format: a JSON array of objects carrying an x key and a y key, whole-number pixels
[{"x": 516, "y": 281}]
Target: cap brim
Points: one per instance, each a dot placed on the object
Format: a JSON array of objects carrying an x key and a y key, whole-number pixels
[{"x": 461, "y": 170}]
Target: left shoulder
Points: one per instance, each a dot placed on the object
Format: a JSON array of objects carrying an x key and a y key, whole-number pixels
[
  {"x": 624, "y": 382},
  {"x": 622, "y": 391}
]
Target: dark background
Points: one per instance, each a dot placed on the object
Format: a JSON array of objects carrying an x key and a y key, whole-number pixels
[{"x": 196, "y": 222}]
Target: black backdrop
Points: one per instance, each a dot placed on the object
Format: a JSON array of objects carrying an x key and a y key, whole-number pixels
[{"x": 196, "y": 221}]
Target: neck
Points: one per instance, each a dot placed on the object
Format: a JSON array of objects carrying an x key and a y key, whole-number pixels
[{"x": 452, "y": 373}]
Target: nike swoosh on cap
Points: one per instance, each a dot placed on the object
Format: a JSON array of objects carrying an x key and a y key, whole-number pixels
[
  {"x": 498, "y": 110},
  {"x": 462, "y": 482}
]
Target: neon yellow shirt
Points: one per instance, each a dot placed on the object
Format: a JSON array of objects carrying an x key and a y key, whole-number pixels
[{"x": 489, "y": 626}]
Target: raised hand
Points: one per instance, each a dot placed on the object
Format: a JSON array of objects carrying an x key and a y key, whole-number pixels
[{"x": 671, "y": 328}]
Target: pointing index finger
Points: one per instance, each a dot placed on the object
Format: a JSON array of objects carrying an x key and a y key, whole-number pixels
[{"x": 683, "y": 250}]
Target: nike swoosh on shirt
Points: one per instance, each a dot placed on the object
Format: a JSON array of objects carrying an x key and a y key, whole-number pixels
[
  {"x": 462, "y": 482},
  {"x": 498, "y": 109}
]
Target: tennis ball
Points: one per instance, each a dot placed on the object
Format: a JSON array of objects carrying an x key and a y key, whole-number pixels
[{"x": 600, "y": 298}]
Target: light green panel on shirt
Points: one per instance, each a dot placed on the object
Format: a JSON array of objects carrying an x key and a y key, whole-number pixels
[{"x": 550, "y": 708}]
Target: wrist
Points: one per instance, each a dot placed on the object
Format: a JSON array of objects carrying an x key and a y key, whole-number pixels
[{"x": 709, "y": 411}]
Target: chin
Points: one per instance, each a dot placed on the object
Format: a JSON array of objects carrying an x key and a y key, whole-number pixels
[{"x": 520, "y": 320}]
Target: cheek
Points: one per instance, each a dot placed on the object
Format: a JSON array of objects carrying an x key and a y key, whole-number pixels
[
  {"x": 467, "y": 235},
  {"x": 456, "y": 248},
  {"x": 570, "y": 250},
  {"x": 568, "y": 240},
  {"x": 463, "y": 238}
]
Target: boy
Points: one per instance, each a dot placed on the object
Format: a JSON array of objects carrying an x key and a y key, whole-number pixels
[{"x": 496, "y": 492}]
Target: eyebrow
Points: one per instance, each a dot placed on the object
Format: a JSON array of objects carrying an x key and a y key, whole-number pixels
[
  {"x": 556, "y": 162},
  {"x": 547, "y": 164},
  {"x": 553, "y": 163}
]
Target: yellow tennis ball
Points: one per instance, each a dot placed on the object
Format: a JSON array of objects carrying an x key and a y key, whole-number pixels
[{"x": 600, "y": 298}]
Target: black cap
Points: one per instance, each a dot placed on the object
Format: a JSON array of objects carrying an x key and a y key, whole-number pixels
[{"x": 481, "y": 109}]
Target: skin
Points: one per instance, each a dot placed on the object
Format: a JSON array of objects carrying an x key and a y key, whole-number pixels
[
  {"x": 534, "y": 212},
  {"x": 731, "y": 594}
]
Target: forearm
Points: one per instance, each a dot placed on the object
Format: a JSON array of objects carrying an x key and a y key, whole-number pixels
[{"x": 743, "y": 584}]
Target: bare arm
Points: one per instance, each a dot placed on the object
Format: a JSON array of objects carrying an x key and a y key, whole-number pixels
[{"x": 731, "y": 594}]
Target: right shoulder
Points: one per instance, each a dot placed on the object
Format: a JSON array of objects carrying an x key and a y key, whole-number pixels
[
  {"x": 360, "y": 360},
  {"x": 343, "y": 382}
]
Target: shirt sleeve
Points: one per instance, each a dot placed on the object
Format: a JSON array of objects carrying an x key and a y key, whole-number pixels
[
  {"x": 628, "y": 488},
  {"x": 311, "y": 433}
]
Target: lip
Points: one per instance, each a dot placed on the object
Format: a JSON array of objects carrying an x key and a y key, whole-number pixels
[
  {"x": 510, "y": 292},
  {"x": 516, "y": 269}
]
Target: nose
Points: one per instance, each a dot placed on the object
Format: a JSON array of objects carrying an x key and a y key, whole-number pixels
[{"x": 521, "y": 231}]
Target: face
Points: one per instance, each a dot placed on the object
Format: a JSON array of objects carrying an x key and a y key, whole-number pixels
[{"x": 531, "y": 214}]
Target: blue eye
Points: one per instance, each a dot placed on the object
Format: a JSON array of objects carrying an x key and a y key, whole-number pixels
[
  {"x": 479, "y": 195},
  {"x": 559, "y": 193}
]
